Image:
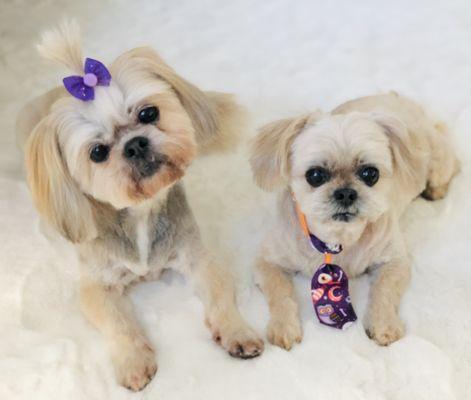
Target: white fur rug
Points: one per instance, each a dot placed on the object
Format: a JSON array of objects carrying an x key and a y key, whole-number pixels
[{"x": 281, "y": 58}]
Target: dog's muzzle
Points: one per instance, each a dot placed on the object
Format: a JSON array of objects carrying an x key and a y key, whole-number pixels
[{"x": 139, "y": 154}]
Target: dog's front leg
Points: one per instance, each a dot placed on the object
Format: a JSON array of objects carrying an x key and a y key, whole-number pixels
[
  {"x": 111, "y": 312},
  {"x": 383, "y": 323},
  {"x": 215, "y": 286},
  {"x": 284, "y": 328}
]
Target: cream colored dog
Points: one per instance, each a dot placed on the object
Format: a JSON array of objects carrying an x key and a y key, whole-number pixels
[
  {"x": 105, "y": 174},
  {"x": 353, "y": 171}
]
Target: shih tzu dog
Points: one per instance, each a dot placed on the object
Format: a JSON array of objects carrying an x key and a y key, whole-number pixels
[
  {"x": 104, "y": 157},
  {"x": 350, "y": 174}
]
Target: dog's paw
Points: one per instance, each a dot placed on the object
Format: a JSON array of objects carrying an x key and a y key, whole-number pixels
[
  {"x": 245, "y": 347},
  {"x": 134, "y": 364},
  {"x": 285, "y": 332},
  {"x": 386, "y": 332},
  {"x": 241, "y": 342}
]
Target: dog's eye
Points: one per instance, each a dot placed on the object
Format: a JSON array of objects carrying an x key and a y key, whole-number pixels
[
  {"x": 99, "y": 153},
  {"x": 369, "y": 175},
  {"x": 148, "y": 115},
  {"x": 317, "y": 176}
]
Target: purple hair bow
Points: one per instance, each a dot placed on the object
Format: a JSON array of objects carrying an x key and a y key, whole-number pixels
[{"x": 82, "y": 87}]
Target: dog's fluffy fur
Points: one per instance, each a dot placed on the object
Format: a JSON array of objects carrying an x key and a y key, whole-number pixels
[
  {"x": 127, "y": 227},
  {"x": 413, "y": 155}
]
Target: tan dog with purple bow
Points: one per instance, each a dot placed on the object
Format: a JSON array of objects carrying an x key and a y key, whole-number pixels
[{"x": 104, "y": 165}]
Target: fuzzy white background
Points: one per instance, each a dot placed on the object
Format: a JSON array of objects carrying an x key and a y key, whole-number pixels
[{"x": 281, "y": 58}]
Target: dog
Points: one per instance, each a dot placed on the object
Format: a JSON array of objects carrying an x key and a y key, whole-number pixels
[
  {"x": 105, "y": 174},
  {"x": 352, "y": 172}
]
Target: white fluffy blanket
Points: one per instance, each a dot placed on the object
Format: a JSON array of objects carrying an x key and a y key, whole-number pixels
[{"x": 281, "y": 58}]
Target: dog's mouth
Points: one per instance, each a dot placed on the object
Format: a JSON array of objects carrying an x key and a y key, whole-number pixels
[
  {"x": 345, "y": 216},
  {"x": 148, "y": 166}
]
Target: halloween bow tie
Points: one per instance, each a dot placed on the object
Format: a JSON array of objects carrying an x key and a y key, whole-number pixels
[
  {"x": 83, "y": 87},
  {"x": 329, "y": 285}
]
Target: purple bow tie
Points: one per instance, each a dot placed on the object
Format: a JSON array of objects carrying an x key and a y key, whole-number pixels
[
  {"x": 329, "y": 290},
  {"x": 329, "y": 285},
  {"x": 82, "y": 87}
]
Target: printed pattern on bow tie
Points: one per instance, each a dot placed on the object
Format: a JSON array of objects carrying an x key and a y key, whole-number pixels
[
  {"x": 83, "y": 87},
  {"x": 331, "y": 298}
]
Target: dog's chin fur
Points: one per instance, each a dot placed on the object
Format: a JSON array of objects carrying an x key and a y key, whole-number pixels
[{"x": 345, "y": 233}]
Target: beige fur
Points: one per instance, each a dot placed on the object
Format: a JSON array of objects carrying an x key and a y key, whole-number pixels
[
  {"x": 283, "y": 329},
  {"x": 63, "y": 46},
  {"x": 35, "y": 111},
  {"x": 270, "y": 159},
  {"x": 128, "y": 226},
  {"x": 214, "y": 115},
  {"x": 413, "y": 155},
  {"x": 111, "y": 312},
  {"x": 56, "y": 196}
]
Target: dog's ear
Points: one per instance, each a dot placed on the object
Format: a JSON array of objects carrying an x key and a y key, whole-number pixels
[
  {"x": 212, "y": 114},
  {"x": 270, "y": 151},
  {"x": 56, "y": 196},
  {"x": 408, "y": 158},
  {"x": 33, "y": 112}
]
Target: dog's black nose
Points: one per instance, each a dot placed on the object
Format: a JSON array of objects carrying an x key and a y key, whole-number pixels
[
  {"x": 136, "y": 148},
  {"x": 345, "y": 196}
]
